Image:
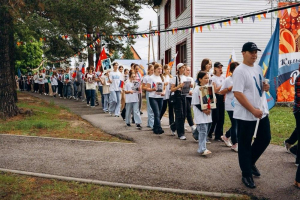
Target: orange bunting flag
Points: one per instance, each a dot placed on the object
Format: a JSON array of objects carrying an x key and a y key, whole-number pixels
[
  {"x": 197, "y": 30},
  {"x": 265, "y": 15},
  {"x": 98, "y": 41},
  {"x": 91, "y": 46},
  {"x": 85, "y": 35},
  {"x": 229, "y": 22},
  {"x": 259, "y": 17},
  {"x": 201, "y": 29},
  {"x": 41, "y": 39}
]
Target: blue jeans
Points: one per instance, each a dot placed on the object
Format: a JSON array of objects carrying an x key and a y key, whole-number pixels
[
  {"x": 156, "y": 105},
  {"x": 202, "y": 137},
  {"x": 150, "y": 121},
  {"x": 232, "y": 132},
  {"x": 54, "y": 89},
  {"x": 67, "y": 90},
  {"x": 136, "y": 112},
  {"x": 115, "y": 102},
  {"x": 106, "y": 102},
  {"x": 102, "y": 97},
  {"x": 90, "y": 96}
]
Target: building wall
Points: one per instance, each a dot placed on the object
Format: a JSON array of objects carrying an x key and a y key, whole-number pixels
[
  {"x": 167, "y": 40},
  {"x": 218, "y": 44}
]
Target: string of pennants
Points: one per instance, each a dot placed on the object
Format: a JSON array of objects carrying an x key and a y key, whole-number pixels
[{"x": 187, "y": 29}]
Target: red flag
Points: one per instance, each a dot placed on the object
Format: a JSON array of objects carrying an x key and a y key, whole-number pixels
[
  {"x": 208, "y": 103},
  {"x": 74, "y": 75},
  {"x": 101, "y": 57},
  {"x": 121, "y": 85},
  {"x": 83, "y": 69}
]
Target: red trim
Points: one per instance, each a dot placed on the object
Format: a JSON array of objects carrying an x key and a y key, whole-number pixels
[
  {"x": 167, "y": 23},
  {"x": 177, "y": 14},
  {"x": 192, "y": 39}
]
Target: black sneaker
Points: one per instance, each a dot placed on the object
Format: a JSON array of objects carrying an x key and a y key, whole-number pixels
[
  {"x": 255, "y": 171},
  {"x": 293, "y": 150},
  {"x": 128, "y": 124},
  {"x": 138, "y": 126}
]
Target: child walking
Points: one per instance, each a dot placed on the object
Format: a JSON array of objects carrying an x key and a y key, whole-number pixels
[
  {"x": 132, "y": 101},
  {"x": 202, "y": 117}
]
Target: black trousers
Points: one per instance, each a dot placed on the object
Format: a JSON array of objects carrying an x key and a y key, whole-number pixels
[
  {"x": 218, "y": 115},
  {"x": 249, "y": 154},
  {"x": 168, "y": 103},
  {"x": 180, "y": 113},
  {"x": 60, "y": 88},
  {"x": 189, "y": 116},
  {"x": 46, "y": 88},
  {"x": 297, "y": 117}
]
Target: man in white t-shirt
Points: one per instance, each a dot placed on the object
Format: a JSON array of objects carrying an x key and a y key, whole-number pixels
[{"x": 251, "y": 104}]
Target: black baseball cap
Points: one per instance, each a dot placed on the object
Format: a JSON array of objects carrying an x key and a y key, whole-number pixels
[
  {"x": 218, "y": 64},
  {"x": 250, "y": 46}
]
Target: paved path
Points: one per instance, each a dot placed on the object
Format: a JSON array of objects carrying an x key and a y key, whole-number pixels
[{"x": 152, "y": 160}]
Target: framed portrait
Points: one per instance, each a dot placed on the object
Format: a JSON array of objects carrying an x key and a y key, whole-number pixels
[
  {"x": 186, "y": 87},
  {"x": 159, "y": 87},
  {"x": 136, "y": 87},
  {"x": 106, "y": 65},
  {"x": 207, "y": 96}
]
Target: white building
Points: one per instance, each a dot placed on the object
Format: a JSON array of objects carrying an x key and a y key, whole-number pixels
[{"x": 216, "y": 44}]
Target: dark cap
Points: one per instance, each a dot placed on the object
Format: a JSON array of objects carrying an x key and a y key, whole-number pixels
[
  {"x": 218, "y": 64},
  {"x": 250, "y": 46}
]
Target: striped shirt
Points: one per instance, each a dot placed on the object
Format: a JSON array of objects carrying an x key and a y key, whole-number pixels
[{"x": 296, "y": 107}]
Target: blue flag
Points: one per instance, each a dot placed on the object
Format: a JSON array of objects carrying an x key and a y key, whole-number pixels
[{"x": 269, "y": 64}]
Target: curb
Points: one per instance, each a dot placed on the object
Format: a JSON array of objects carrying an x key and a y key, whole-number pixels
[
  {"x": 66, "y": 139},
  {"x": 124, "y": 185}
]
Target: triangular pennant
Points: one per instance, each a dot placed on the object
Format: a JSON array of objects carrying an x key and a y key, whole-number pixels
[
  {"x": 208, "y": 26},
  {"x": 253, "y": 18},
  {"x": 289, "y": 10},
  {"x": 236, "y": 20},
  {"x": 242, "y": 19},
  {"x": 197, "y": 30},
  {"x": 173, "y": 31},
  {"x": 213, "y": 26},
  {"x": 201, "y": 29},
  {"x": 193, "y": 30},
  {"x": 221, "y": 24},
  {"x": 265, "y": 15},
  {"x": 282, "y": 12},
  {"x": 225, "y": 23},
  {"x": 259, "y": 17},
  {"x": 276, "y": 13},
  {"x": 229, "y": 22}
]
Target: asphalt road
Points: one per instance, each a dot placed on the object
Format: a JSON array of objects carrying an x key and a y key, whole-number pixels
[{"x": 151, "y": 160}]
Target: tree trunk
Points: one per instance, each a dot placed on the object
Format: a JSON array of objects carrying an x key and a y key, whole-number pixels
[{"x": 8, "y": 94}]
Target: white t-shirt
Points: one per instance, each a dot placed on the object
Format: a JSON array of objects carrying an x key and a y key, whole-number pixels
[
  {"x": 183, "y": 78},
  {"x": 243, "y": 81},
  {"x": 90, "y": 83},
  {"x": 229, "y": 95},
  {"x": 115, "y": 78},
  {"x": 154, "y": 79},
  {"x": 218, "y": 80},
  {"x": 199, "y": 116},
  {"x": 36, "y": 78},
  {"x": 130, "y": 98},
  {"x": 41, "y": 78},
  {"x": 192, "y": 82},
  {"x": 53, "y": 80}
]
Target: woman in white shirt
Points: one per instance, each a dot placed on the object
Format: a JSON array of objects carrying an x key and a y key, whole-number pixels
[
  {"x": 132, "y": 102},
  {"x": 177, "y": 84},
  {"x": 90, "y": 80},
  {"x": 115, "y": 78},
  {"x": 156, "y": 90},
  {"x": 218, "y": 113},
  {"x": 227, "y": 89},
  {"x": 54, "y": 83},
  {"x": 150, "y": 121},
  {"x": 167, "y": 103}
]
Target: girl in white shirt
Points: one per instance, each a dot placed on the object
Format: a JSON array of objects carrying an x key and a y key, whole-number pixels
[
  {"x": 167, "y": 103},
  {"x": 54, "y": 83},
  {"x": 227, "y": 89},
  {"x": 105, "y": 85},
  {"x": 150, "y": 121},
  {"x": 115, "y": 78},
  {"x": 218, "y": 114},
  {"x": 132, "y": 102},
  {"x": 202, "y": 117},
  {"x": 156, "y": 89},
  {"x": 90, "y": 80}
]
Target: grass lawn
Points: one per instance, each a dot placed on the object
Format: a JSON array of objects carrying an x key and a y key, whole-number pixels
[
  {"x": 50, "y": 120},
  {"x": 16, "y": 187}
]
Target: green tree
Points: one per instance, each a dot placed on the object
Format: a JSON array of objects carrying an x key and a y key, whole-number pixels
[
  {"x": 127, "y": 53},
  {"x": 115, "y": 56}
]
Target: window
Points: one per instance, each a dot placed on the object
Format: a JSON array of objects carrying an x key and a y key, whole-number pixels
[
  {"x": 181, "y": 49},
  {"x": 180, "y": 7},
  {"x": 167, "y": 56},
  {"x": 168, "y": 14}
]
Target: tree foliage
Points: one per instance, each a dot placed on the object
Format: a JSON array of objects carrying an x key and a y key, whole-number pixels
[{"x": 127, "y": 53}]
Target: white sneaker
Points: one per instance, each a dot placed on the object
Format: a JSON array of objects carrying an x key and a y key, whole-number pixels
[
  {"x": 185, "y": 129},
  {"x": 226, "y": 141},
  {"x": 173, "y": 133},
  {"x": 206, "y": 152},
  {"x": 235, "y": 147},
  {"x": 182, "y": 138}
]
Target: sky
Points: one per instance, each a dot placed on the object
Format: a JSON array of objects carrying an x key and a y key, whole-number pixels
[{"x": 141, "y": 45}]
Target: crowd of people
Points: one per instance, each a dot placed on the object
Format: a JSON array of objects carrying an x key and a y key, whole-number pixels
[{"x": 238, "y": 94}]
